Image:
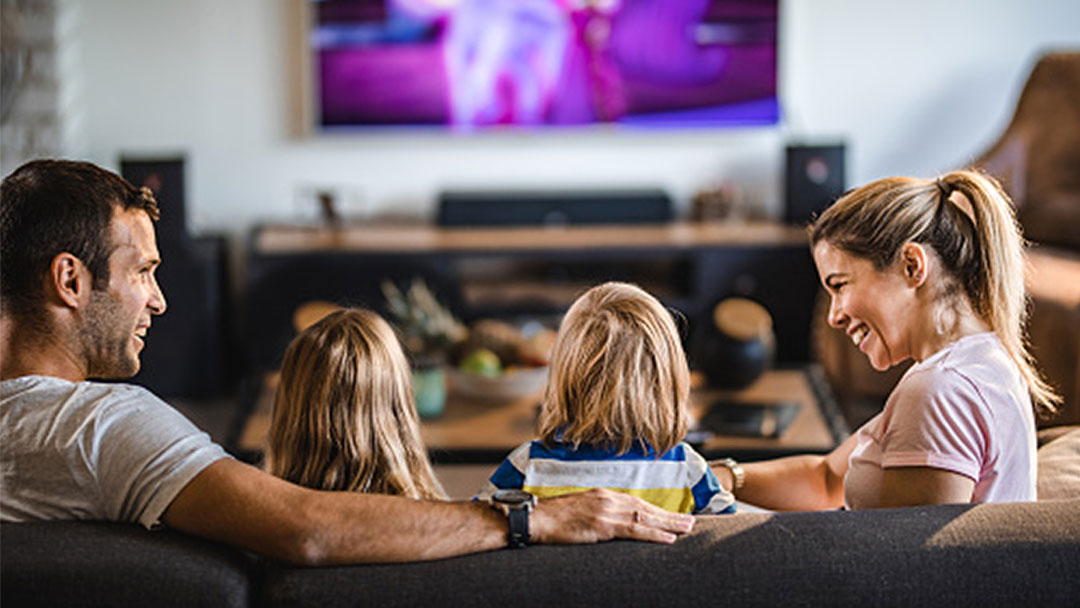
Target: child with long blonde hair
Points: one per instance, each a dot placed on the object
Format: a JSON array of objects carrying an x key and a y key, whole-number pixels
[
  {"x": 344, "y": 417},
  {"x": 615, "y": 410}
]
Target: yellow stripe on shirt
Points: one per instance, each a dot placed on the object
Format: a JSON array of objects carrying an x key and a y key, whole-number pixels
[{"x": 679, "y": 500}]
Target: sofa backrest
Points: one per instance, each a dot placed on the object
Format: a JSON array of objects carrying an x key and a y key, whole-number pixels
[
  {"x": 948, "y": 555},
  {"x": 106, "y": 564}
]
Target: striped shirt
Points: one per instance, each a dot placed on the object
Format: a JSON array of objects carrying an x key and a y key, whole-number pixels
[{"x": 679, "y": 480}]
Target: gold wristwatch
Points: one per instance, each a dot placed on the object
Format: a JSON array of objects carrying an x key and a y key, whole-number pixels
[{"x": 736, "y": 472}]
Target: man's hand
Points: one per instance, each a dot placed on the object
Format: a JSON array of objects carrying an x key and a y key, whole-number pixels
[{"x": 598, "y": 515}]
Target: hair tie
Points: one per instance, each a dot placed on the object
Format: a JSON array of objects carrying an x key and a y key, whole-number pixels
[{"x": 945, "y": 190}]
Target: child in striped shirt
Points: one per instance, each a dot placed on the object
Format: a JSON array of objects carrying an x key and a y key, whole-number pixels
[{"x": 615, "y": 410}]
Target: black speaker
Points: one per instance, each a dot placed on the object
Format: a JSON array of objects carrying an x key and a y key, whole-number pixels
[
  {"x": 185, "y": 349},
  {"x": 813, "y": 179},
  {"x": 165, "y": 177},
  {"x": 554, "y": 207}
]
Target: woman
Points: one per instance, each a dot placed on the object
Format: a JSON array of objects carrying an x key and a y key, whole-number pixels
[{"x": 930, "y": 270}]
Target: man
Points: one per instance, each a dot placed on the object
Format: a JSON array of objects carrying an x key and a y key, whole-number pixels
[{"x": 77, "y": 294}]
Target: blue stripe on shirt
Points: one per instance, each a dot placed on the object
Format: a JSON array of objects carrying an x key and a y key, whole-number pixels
[
  {"x": 507, "y": 476},
  {"x": 567, "y": 452},
  {"x": 704, "y": 490}
]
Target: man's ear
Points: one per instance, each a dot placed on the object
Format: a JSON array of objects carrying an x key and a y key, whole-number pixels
[
  {"x": 915, "y": 262},
  {"x": 69, "y": 279}
]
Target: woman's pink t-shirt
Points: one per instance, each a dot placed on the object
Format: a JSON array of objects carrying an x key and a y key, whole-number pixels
[{"x": 965, "y": 409}]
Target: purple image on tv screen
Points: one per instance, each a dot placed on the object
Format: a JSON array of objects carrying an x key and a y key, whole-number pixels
[{"x": 472, "y": 64}]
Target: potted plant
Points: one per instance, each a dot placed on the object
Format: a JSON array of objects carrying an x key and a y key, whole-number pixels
[{"x": 428, "y": 331}]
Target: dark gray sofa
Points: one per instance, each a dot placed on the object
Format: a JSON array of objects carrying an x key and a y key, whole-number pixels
[{"x": 950, "y": 555}]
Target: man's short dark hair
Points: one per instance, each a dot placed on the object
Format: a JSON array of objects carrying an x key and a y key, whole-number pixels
[{"x": 49, "y": 207}]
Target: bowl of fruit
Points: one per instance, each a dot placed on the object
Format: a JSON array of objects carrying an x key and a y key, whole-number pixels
[{"x": 499, "y": 361}]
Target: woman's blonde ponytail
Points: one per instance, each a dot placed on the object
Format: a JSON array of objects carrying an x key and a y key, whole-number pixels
[{"x": 999, "y": 295}]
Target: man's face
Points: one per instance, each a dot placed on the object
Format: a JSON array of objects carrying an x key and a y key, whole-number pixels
[{"x": 118, "y": 317}]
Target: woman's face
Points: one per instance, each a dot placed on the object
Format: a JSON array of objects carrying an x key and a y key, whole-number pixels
[{"x": 873, "y": 308}]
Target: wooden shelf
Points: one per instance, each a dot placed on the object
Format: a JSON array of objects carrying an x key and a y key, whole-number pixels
[
  {"x": 277, "y": 239},
  {"x": 529, "y": 271}
]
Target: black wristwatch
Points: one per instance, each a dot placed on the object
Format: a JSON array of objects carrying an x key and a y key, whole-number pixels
[{"x": 516, "y": 506}]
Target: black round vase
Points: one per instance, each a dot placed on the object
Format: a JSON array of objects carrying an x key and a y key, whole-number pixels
[{"x": 739, "y": 346}]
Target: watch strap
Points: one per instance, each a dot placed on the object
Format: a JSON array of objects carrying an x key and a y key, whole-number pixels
[
  {"x": 737, "y": 474},
  {"x": 518, "y": 520}
]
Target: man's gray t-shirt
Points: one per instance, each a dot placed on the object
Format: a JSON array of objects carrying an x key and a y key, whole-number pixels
[{"x": 93, "y": 451}]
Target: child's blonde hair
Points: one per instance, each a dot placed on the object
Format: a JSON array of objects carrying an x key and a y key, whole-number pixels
[
  {"x": 618, "y": 373},
  {"x": 344, "y": 417}
]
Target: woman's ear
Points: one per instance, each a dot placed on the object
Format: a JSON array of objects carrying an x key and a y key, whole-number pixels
[
  {"x": 915, "y": 262},
  {"x": 69, "y": 280}
]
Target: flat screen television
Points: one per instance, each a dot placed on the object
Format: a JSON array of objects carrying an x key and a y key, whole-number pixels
[{"x": 535, "y": 64}]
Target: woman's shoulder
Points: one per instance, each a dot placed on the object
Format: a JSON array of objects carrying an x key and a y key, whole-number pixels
[
  {"x": 971, "y": 377},
  {"x": 932, "y": 381},
  {"x": 972, "y": 360},
  {"x": 968, "y": 352},
  {"x": 948, "y": 389}
]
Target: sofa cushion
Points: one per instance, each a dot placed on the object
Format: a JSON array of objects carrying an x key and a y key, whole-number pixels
[
  {"x": 106, "y": 564},
  {"x": 946, "y": 555},
  {"x": 1059, "y": 467}
]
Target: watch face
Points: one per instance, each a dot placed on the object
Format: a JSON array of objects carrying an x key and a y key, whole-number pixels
[{"x": 512, "y": 497}]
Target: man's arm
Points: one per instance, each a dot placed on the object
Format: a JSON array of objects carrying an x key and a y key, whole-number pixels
[{"x": 243, "y": 506}]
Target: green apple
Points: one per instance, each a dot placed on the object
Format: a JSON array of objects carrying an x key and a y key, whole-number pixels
[{"x": 482, "y": 362}]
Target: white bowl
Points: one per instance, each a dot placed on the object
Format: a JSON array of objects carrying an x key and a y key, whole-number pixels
[{"x": 507, "y": 386}]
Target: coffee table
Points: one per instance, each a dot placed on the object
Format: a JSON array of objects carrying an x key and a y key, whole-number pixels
[{"x": 474, "y": 431}]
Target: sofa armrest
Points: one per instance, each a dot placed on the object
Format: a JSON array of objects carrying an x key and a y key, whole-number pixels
[{"x": 108, "y": 564}]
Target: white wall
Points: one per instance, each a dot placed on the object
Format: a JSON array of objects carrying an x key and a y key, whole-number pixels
[{"x": 914, "y": 87}]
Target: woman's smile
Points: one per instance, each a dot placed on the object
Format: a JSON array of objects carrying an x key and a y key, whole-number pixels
[{"x": 872, "y": 307}]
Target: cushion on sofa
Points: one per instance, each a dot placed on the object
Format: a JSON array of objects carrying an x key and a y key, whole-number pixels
[
  {"x": 1059, "y": 467},
  {"x": 105, "y": 564}
]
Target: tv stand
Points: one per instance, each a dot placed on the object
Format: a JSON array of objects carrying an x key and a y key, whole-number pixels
[{"x": 530, "y": 271}]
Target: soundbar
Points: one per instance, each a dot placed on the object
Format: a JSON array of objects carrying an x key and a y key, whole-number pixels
[{"x": 553, "y": 207}]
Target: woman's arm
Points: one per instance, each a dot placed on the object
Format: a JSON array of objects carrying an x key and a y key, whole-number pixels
[
  {"x": 794, "y": 483},
  {"x": 813, "y": 482},
  {"x": 910, "y": 486}
]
